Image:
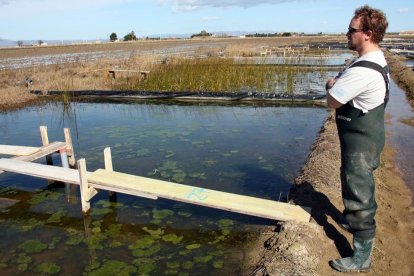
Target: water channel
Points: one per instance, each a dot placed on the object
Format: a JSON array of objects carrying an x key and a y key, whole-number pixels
[{"x": 245, "y": 149}]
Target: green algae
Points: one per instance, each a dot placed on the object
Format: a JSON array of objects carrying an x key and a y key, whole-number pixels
[
  {"x": 32, "y": 246},
  {"x": 30, "y": 224},
  {"x": 218, "y": 264},
  {"x": 193, "y": 246},
  {"x": 144, "y": 242},
  {"x": 23, "y": 259},
  {"x": 173, "y": 265},
  {"x": 53, "y": 243},
  {"x": 179, "y": 177},
  {"x": 204, "y": 259},
  {"x": 172, "y": 238},
  {"x": 113, "y": 268},
  {"x": 184, "y": 214},
  {"x": 22, "y": 267},
  {"x": 75, "y": 236},
  {"x": 198, "y": 175},
  {"x": 47, "y": 268},
  {"x": 146, "y": 252},
  {"x": 188, "y": 265},
  {"x": 155, "y": 234},
  {"x": 143, "y": 152},
  {"x": 161, "y": 214},
  {"x": 145, "y": 265},
  {"x": 56, "y": 217},
  {"x": 44, "y": 196},
  {"x": 100, "y": 211},
  {"x": 114, "y": 230},
  {"x": 109, "y": 204}
]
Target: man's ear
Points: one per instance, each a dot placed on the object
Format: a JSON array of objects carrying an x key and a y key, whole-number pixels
[{"x": 368, "y": 35}]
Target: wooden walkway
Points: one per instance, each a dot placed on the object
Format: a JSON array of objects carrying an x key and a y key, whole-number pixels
[{"x": 107, "y": 179}]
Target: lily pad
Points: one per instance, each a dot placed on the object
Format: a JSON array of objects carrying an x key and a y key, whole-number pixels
[
  {"x": 113, "y": 268},
  {"x": 147, "y": 252},
  {"x": 218, "y": 264},
  {"x": 184, "y": 214},
  {"x": 47, "y": 268},
  {"x": 32, "y": 246},
  {"x": 174, "y": 239},
  {"x": 56, "y": 217},
  {"x": 155, "y": 234},
  {"x": 188, "y": 265},
  {"x": 114, "y": 230},
  {"x": 75, "y": 236},
  {"x": 44, "y": 196},
  {"x": 173, "y": 265},
  {"x": 161, "y": 214},
  {"x": 193, "y": 246},
  {"x": 204, "y": 259},
  {"x": 144, "y": 242}
]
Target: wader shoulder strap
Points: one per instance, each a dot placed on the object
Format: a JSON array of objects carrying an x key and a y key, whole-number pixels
[{"x": 383, "y": 70}]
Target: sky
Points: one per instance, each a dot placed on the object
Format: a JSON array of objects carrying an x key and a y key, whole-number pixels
[{"x": 97, "y": 19}]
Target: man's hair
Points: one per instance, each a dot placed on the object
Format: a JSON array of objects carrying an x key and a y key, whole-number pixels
[{"x": 373, "y": 20}]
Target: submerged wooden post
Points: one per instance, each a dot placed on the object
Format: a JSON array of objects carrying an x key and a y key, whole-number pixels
[
  {"x": 65, "y": 164},
  {"x": 45, "y": 141},
  {"x": 86, "y": 191},
  {"x": 109, "y": 168},
  {"x": 69, "y": 147}
]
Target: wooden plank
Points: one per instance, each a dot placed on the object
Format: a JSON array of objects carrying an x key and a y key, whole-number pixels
[
  {"x": 17, "y": 150},
  {"x": 38, "y": 170},
  {"x": 65, "y": 175},
  {"x": 42, "y": 151},
  {"x": 226, "y": 201}
]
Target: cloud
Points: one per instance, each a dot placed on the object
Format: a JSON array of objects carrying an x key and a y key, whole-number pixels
[
  {"x": 190, "y": 5},
  {"x": 403, "y": 10}
]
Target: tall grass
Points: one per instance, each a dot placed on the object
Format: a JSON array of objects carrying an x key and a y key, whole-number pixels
[{"x": 212, "y": 75}]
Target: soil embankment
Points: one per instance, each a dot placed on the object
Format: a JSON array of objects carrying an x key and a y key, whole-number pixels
[{"x": 305, "y": 249}]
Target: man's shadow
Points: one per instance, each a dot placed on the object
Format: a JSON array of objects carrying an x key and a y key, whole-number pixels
[{"x": 304, "y": 195}]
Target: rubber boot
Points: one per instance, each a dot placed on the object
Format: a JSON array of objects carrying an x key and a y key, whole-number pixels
[
  {"x": 360, "y": 261},
  {"x": 344, "y": 224}
]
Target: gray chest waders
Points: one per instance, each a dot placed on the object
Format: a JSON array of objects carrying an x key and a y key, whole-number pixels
[{"x": 362, "y": 137}]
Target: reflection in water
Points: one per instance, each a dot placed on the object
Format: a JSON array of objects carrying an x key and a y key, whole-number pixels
[
  {"x": 242, "y": 149},
  {"x": 400, "y": 134}
]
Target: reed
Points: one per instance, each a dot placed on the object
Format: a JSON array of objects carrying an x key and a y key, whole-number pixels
[{"x": 213, "y": 74}]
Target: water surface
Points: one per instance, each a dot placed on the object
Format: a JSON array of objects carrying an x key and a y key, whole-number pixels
[{"x": 244, "y": 149}]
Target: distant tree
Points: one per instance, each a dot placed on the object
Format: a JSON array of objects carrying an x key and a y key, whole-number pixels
[
  {"x": 40, "y": 42},
  {"x": 203, "y": 33},
  {"x": 130, "y": 36},
  {"x": 20, "y": 43},
  {"x": 286, "y": 34},
  {"x": 113, "y": 37}
]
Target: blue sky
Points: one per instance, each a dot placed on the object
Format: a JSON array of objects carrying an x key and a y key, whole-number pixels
[{"x": 93, "y": 19}]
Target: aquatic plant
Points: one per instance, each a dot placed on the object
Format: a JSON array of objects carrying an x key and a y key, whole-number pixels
[
  {"x": 113, "y": 268},
  {"x": 44, "y": 196},
  {"x": 56, "y": 217},
  {"x": 193, "y": 246},
  {"x": 47, "y": 268},
  {"x": 30, "y": 224},
  {"x": 32, "y": 246},
  {"x": 173, "y": 238},
  {"x": 75, "y": 236}
]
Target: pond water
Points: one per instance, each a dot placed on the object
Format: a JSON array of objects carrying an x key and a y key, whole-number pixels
[
  {"x": 400, "y": 134},
  {"x": 245, "y": 149}
]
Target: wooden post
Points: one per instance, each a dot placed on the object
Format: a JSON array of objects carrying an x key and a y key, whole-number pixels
[
  {"x": 86, "y": 192},
  {"x": 109, "y": 167},
  {"x": 69, "y": 147},
  {"x": 45, "y": 141}
]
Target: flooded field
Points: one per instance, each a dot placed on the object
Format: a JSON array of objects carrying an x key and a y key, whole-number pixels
[{"x": 244, "y": 149}]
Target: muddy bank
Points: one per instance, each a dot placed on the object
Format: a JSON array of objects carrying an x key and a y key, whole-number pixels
[
  {"x": 402, "y": 75},
  {"x": 305, "y": 249}
]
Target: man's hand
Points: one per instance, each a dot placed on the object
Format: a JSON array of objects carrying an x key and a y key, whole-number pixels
[{"x": 330, "y": 83}]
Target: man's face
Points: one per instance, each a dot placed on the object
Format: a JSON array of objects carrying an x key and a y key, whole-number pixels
[{"x": 355, "y": 35}]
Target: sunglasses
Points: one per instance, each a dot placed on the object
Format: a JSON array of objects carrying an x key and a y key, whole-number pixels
[{"x": 353, "y": 30}]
